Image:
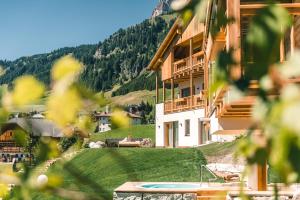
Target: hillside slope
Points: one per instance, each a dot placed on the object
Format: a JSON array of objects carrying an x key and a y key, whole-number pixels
[
  {"x": 118, "y": 59},
  {"x": 109, "y": 168}
]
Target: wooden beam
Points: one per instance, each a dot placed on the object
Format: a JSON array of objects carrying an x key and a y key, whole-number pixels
[
  {"x": 262, "y": 177},
  {"x": 172, "y": 93},
  {"x": 251, "y": 9},
  {"x": 234, "y": 36},
  {"x": 282, "y": 56},
  {"x": 292, "y": 37},
  {"x": 156, "y": 87},
  {"x": 191, "y": 71},
  {"x": 164, "y": 91}
]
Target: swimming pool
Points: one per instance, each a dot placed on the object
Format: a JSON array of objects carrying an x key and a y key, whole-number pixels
[{"x": 170, "y": 186}]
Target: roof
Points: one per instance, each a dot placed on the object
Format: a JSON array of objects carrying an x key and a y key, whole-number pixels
[
  {"x": 35, "y": 126},
  {"x": 156, "y": 60},
  {"x": 164, "y": 45}
]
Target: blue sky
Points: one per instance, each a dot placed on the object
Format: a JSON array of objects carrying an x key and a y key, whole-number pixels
[{"x": 30, "y": 27}]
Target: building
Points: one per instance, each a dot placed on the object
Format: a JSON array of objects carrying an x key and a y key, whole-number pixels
[
  {"x": 104, "y": 120},
  {"x": 186, "y": 60},
  {"x": 35, "y": 127}
]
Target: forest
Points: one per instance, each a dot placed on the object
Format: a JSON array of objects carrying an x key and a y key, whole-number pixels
[{"x": 120, "y": 59}]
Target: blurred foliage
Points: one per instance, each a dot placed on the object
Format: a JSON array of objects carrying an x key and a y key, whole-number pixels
[
  {"x": 67, "y": 142},
  {"x": 277, "y": 116},
  {"x": 64, "y": 105}
]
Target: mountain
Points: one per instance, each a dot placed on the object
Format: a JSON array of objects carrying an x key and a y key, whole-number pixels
[
  {"x": 163, "y": 7},
  {"x": 118, "y": 60}
]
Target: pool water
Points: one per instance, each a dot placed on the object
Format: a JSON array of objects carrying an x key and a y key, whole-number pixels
[{"x": 170, "y": 186}]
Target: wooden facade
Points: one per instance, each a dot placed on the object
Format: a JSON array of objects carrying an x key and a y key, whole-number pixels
[
  {"x": 186, "y": 60},
  {"x": 188, "y": 54},
  {"x": 242, "y": 11},
  {"x": 8, "y": 144}
]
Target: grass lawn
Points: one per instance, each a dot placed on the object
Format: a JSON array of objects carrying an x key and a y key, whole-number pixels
[
  {"x": 137, "y": 131},
  {"x": 109, "y": 168}
]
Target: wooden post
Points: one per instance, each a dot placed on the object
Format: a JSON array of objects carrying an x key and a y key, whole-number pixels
[
  {"x": 164, "y": 91},
  {"x": 191, "y": 71},
  {"x": 234, "y": 36},
  {"x": 262, "y": 177},
  {"x": 157, "y": 87},
  {"x": 206, "y": 86},
  {"x": 172, "y": 93},
  {"x": 292, "y": 36},
  {"x": 191, "y": 88},
  {"x": 257, "y": 179},
  {"x": 282, "y": 57}
]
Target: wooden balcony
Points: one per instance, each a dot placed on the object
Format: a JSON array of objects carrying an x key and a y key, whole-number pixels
[
  {"x": 181, "y": 66},
  {"x": 184, "y": 104},
  {"x": 216, "y": 44},
  {"x": 241, "y": 108},
  {"x": 184, "y": 65},
  {"x": 198, "y": 60},
  {"x": 251, "y": 9}
]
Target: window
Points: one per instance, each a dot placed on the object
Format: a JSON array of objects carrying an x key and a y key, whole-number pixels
[
  {"x": 185, "y": 92},
  {"x": 187, "y": 127}
]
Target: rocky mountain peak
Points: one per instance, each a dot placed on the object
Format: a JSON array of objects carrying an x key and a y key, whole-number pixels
[{"x": 162, "y": 7}]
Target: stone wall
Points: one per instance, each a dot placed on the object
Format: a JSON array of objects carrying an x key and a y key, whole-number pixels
[{"x": 153, "y": 196}]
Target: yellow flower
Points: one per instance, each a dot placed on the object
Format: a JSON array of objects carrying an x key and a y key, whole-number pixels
[
  {"x": 27, "y": 90},
  {"x": 120, "y": 119},
  {"x": 63, "y": 107},
  {"x": 3, "y": 190},
  {"x": 84, "y": 123},
  {"x": 65, "y": 67}
]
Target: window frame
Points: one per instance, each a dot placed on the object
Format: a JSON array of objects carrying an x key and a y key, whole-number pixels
[{"x": 187, "y": 127}]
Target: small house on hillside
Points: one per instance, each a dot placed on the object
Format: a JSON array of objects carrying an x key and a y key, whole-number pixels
[
  {"x": 35, "y": 127},
  {"x": 104, "y": 120}
]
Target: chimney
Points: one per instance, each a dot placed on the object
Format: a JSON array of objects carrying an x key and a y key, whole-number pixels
[{"x": 107, "y": 109}]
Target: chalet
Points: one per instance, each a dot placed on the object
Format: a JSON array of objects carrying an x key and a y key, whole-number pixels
[
  {"x": 35, "y": 127},
  {"x": 104, "y": 120},
  {"x": 185, "y": 61}
]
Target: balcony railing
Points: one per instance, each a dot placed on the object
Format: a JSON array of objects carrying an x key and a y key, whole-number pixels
[
  {"x": 186, "y": 103},
  {"x": 181, "y": 65},
  {"x": 198, "y": 59},
  {"x": 185, "y": 65}
]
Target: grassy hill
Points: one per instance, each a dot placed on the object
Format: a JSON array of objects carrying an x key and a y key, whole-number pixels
[
  {"x": 109, "y": 168},
  {"x": 136, "y": 97},
  {"x": 138, "y": 131}
]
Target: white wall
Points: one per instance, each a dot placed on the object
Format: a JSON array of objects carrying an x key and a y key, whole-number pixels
[
  {"x": 183, "y": 141},
  {"x": 227, "y": 124},
  {"x": 104, "y": 124}
]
